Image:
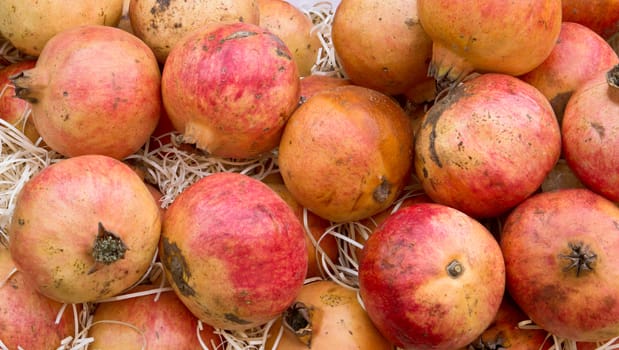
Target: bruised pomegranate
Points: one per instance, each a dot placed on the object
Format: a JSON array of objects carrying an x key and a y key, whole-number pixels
[
  {"x": 381, "y": 44},
  {"x": 326, "y": 315},
  {"x": 233, "y": 250},
  {"x": 138, "y": 321},
  {"x": 487, "y": 145},
  {"x": 431, "y": 277},
  {"x": 230, "y": 88},
  {"x": 346, "y": 153},
  {"x": 561, "y": 253},
  {"x": 84, "y": 228},
  {"x": 510, "y": 37},
  {"x": 578, "y": 54},
  {"x": 27, "y": 318},
  {"x": 590, "y": 133},
  {"x": 12, "y": 109},
  {"x": 94, "y": 90}
]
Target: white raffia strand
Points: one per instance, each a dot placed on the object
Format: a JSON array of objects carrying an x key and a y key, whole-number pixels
[
  {"x": 173, "y": 168},
  {"x": 321, "y": 14}
]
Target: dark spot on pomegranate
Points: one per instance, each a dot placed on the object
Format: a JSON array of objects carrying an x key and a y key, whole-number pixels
[
  {"x": 434, "y": 114},
  {"x": 599, "y": 129},
  {"x": 65, "y": 93},
  {"x": 234, "y": 318},
  {"x": 175, "y": 263},
  {"x": 238, "y": 35},
  {"x": 21, "y": 221},
  {"x": 161, "y": 6},
  {"x": 382, "y": 191}
]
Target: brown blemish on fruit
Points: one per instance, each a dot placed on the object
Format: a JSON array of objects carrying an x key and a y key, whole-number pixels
[
  {"x": 434, "y": 114},
  {"x": 238, "y": 35},
  {"x": 234, "y": 318},
  {"x": 599, "y": 129},
  {"x": 175, "y": 263},
  {"x": 382, "y": 191},
  {"x": 161, "y": 6}
]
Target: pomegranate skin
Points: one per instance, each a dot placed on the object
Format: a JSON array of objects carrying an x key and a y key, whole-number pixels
[
  {"x": 230, "y": 88},
  {"x": 233, "y": 250},
  {"x": 601, "y": 16},
  {"x": 487, "y": 145},
  {"x": 561, "y": 253},
  {"x": 431, "y": 277},
  {"x": 94, "y": 90}
]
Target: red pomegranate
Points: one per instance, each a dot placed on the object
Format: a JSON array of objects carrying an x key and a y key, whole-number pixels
[
  {"x": 590, "y": 133},
  {"x": 431, "y": 277},
  {"x": 487, "y": 145},
  {"x": 233, "y": 250},
  {"x": 13, "y": 109},
  {"x": 561, "y": 250},
  {"x": 94, "y": 90},
  {"x": 230, "y": 88}
]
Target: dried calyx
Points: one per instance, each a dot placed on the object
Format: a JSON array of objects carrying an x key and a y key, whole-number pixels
[
  {"x": 107, "y": 248},
  {"x": 298, "y": 319},
  {"x": 612, "y": 76},
  {"x": 580, "y": 258}
]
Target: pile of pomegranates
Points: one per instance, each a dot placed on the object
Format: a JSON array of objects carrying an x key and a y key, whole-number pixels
[{"x": 309, "y": 174}]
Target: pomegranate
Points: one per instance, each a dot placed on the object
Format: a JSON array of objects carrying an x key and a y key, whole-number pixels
[
  {"x": 590, "y": 132},
  {"x": 161, "y": 24},
  {"x": 12, "y": 109},
  {"x": 578, "y": 54},
  {"x": 601, "y": 16},
  {"x": 316, "y": 226},
  {"x": 346, "y": 153},
  {"x": 326, "y": 315},
  {"x": 510, "y": 37},
  {"x": 27, "y": 318},
  {"x": 295, "y": 29},
  {"x": 94, "y": 90},
  {"x": 431, "y": 277},
  {"x": 140, "y": 322},
  {"x": 230, "y": 88},
  {"x": 487, "y": 145},
  {"x": 560, "y": 251},
  {"x": 381, "y": 44},
  {"x": 505, "y": 333},
  {"x": 30, "y": 25},
  {"x": 233, "y": 250},
  {"x": 84, "y": 228}
]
